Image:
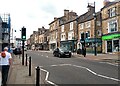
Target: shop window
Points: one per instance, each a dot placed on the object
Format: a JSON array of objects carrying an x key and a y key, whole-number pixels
[{"x": 115, "y": 45}]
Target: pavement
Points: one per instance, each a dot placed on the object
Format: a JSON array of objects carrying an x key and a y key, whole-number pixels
[{"x": 18, "y": 73}]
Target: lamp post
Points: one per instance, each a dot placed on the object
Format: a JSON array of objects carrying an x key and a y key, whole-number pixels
[{"x": 95, "y": 49}]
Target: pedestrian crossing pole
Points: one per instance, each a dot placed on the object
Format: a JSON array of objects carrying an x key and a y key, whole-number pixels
[
  {"x": 22, "y": 52},
  {"x": 23, "y": 37}
]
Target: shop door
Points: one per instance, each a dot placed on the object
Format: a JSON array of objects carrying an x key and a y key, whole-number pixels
[{"x": 109, "y": 46}]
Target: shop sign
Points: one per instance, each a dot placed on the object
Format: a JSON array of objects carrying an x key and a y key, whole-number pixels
[{"x": 113, "y": 36}]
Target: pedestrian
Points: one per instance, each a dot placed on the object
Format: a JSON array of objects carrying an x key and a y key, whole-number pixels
[
  {"x": 84, "y": 51},
  {"x": 5, "y": 62}
]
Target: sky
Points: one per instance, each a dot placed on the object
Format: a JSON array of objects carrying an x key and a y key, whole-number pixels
[{"x": 33, "y": 14}]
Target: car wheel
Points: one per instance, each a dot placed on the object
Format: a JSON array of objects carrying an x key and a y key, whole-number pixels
[
  {"x": 54, "y": 54},
  {"x": 59, "y": 55}
]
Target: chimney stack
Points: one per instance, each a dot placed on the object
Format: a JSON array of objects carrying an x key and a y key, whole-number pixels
[{"x": 105, "y": 2}]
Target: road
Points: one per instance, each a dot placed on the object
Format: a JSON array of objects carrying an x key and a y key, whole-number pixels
[{"x": 73, "y": 70}]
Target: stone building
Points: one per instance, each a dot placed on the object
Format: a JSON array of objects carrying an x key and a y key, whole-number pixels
[
  {"x": 111, "y": 27},
  {"x": 69, "y": 30},
  {"x": 89, "y": 25},
  {"x": 42, "y": 39},
  {"x": 54, "y": 35},
  {"x": 0, "y": 34}
]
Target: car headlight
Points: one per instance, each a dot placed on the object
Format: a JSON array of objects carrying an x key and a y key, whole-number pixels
[{"x": 62, "y": 52}]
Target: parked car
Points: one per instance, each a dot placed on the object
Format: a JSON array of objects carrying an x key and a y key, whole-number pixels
[
  {"x": 17, "y": 51},
  {"x": 62, "y": 52}
]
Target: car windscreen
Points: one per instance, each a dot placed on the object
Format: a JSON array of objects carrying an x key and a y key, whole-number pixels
[{"x": 63, "y": 49}]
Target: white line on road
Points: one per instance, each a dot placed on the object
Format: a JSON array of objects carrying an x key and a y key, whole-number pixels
[
  {"x": 41, "y": 55},
  {"x": 46, "y": 78},
  {"x": 96, "y": 73},
  {"x": 109, "y": 63},
  {"x": 46, "y": 56},
  {"x": 60, "y": 65},
  {"x": 89, "y": 70}
]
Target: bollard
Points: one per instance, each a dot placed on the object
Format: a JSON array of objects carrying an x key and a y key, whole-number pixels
[
  {"x": 26, "y": 60},
  {"x": 37, "y": 76},
  {"x": 30, "y": 66}
]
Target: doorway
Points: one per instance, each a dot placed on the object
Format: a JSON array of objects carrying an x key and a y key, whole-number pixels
[{"x": 109, "y": 46}]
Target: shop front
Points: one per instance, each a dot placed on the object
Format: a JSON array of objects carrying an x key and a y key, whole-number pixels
[
  {"x": 111, "y": 42},
  {"x": 90, "y": 44},
  {"x": 52, "y": 46},
  {"x": 70, "y": 45}
]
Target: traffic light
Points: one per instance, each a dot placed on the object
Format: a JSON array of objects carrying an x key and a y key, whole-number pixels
[{"x": 23, "y": 33}]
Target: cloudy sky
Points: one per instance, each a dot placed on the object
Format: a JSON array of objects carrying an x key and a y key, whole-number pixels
[{"x": 34, "y": 14}]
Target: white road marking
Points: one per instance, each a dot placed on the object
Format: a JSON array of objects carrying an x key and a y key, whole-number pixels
[
  {"x": 41, "y": 55},
  {"x": 96, "y": 73},
  {"x": 89, "y": 70},
  {"x": 47, "y": 56},
  {"x": 109, "y": 63},
  {"x": 46, "y": 78},
  {"x": 60, "y": 65}
]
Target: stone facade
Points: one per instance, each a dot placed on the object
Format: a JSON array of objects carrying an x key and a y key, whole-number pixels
[
  {"x": 111, "y": 26},
  {"x": 91, "y": 27}
]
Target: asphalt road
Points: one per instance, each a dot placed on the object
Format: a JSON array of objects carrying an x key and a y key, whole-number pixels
[{"x": 73, "y": 70}]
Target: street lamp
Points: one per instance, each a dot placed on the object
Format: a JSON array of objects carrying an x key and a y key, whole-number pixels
[{"x": 94, "y": 15}]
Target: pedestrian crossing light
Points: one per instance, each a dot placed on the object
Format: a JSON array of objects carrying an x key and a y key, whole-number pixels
[{"x": 23, "y": 33}]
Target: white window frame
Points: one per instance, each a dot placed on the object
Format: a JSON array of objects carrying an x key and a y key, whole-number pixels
[
  {"x": 63, "y": 37},
  {"x": 88, "y": 24},
  {"x": 71, "y": 25},
  {"x": 113, "y": 22},
  {"x": 62, "y": 28},
  {"x": 112, "y": 12},
  {"x": 81, "y": 25}
]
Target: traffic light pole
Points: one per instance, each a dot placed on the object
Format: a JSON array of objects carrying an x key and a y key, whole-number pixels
[
  {"x": 95, "y": 47},
  {"x": 22, "y": 52}
]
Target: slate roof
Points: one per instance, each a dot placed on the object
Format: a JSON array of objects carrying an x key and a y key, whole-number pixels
[{"x": 109, "y": 4}]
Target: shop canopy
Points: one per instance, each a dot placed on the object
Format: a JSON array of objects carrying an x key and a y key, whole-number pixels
[{"x": 112, "y": 36}]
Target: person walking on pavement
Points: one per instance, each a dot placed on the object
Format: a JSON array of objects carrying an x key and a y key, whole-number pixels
[
  {"x": 84, "y": 51},
  {"x": 5, "y": 62}
]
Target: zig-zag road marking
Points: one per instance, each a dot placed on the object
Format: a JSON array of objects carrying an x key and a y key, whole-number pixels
[{"x": 89, "y": 70}]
